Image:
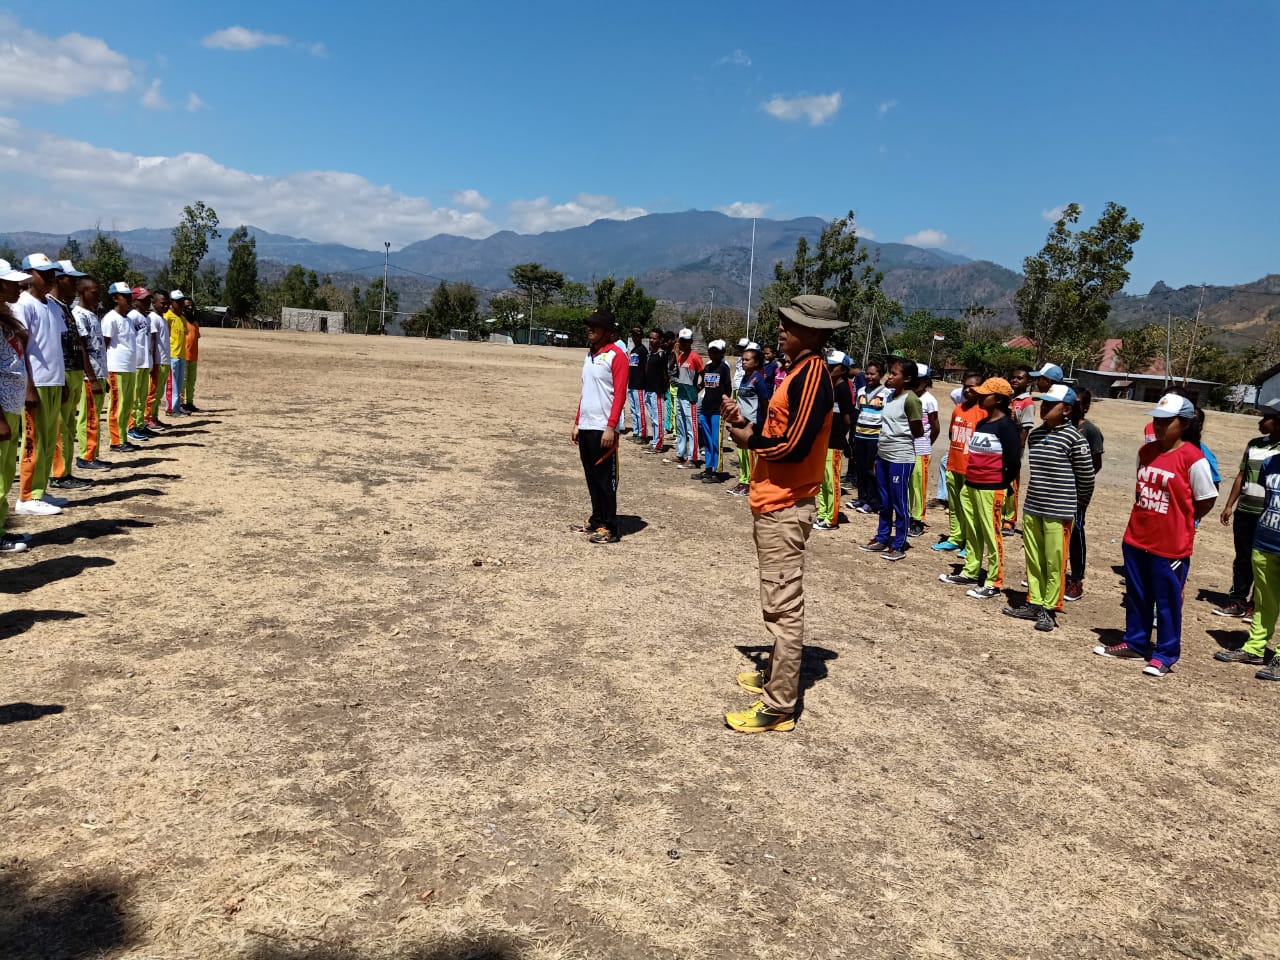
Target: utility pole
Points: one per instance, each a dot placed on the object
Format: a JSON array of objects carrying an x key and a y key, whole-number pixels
[
  {"x": 751, "y": 271},
  {"x": 1195, "y": 328},
  {"x": 386, "y": 266},
  {"x": 1168, "y": 344},
  {"x": 871, "y": 325}
]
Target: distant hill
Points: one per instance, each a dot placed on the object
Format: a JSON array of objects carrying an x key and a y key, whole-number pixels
[{"x": 683, "y": 257}]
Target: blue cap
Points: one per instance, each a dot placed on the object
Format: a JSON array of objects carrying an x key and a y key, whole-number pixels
[
  {"x": 67, "y": 270},
  {"x": 1058, "y": 393},
  {"x": 1050, "y": 371},
  {"x": 38, "y": 261}
]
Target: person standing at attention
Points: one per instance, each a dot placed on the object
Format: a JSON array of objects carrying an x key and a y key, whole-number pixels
[
  {"x": 638, "y": 357},
  {"x": 176, "y": 317},
  {"x": 1174, "y": 490},
  {"x": 715, "y": 387},
  {"x": 40, "y": 314},
  {"x": 655, "y": 390},
  {"x": 964, "y": 420},
  {"x": 828, "y": 504},
  {"x": 791, "y": 454},
  {"x": 1244, "y": 507},
  {"x": 1079, "y": 549},
  {"x": 16, "y": 394},
  {"x": 158, "y": 382},
  {"x": 924, "y": 449},
  {"x": 606, "y": 370},
  {"x": 193, "y": 359},
  {"x": 754, "y": 394},
  {"x": 688, "y": 381},
  {"x": 1023, "y": 410},
  {"x": 901, "y": 424}
]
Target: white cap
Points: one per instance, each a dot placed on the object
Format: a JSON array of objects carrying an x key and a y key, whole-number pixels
[
  {"x": 752, "y": 346},
  {"x": 38, "y": 261},
  {"x": 177, "y": 295},
  {"x": 8, "y": 273},
  {"x": 957, "y": 395},
  {"x": 836, "y": 357},
  {"x": 69, "y": 270},
  {"x": 716, "y": 345},
  {"x": 1174, "y": 405},
  {"x": 744, "y": 343},
  {"x": 922, "y": 370},
  {"x": 685, "y": 334},
  {"x": 119, "y": 287}
]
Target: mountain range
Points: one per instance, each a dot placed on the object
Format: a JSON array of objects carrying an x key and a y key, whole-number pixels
[{"x": 684, "y": 257}]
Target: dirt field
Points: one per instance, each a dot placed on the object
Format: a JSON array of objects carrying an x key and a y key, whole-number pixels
[{"x": 322, "y": 674}]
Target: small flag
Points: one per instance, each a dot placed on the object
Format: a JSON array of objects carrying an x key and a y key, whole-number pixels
[{"x": 938, "y": 336}]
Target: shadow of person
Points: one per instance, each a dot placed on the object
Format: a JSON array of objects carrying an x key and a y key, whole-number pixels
[
  {"x": 116, "y": 496},
  {"x": 628, "y": 525},
  {"x": 813, "y": 665},
  {"x": 16, "y": 622},
  {"x": 477, "y": 947},
  {"x": 87, "y": 530},
  {"x": 1108, "y": 636},
  {"x": 1230, "y": 639},
  {"x": 142, "y": 462},
  {"x": 116, "y": 480},
  {"x": 42, "y": 572},
  {"x": 26, "y": 712},
  {"x": 70, "y": 920},
  {"x": 1215, "y": 597},
  {"x": 171, "y": 445}
]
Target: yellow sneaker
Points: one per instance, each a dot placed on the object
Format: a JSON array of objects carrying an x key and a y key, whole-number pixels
[
  {"x": 758, "y": 718},
  {"x": 753, "y": 680}
]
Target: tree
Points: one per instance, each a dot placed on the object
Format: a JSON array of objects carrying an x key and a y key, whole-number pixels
[
  {"x": 632, "y": 308},
  {"x": 537, "y": 282},
  {"x": 208, "y": 289},
  {"x": 107, "y": 262},
  {"x": 506, "y": 308},
  {"x": 453, "y": 306},
  {"x": 918, "y": 329},
  {"x": 199, "y": 225},
  {"x": 70, "y": 251},
  {"x": 606, "y": 292},
  {"x": 243, "y": 295},
  {"x": 10, "y": 255},
  {"x": 1064, "y": 301},
  {"x": 365, "y": 315},
  {"x": 1139, "y": 347},
  {"x": 574, "y": 294}
]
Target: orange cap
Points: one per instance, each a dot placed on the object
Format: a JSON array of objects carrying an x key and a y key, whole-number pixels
[{"x": 995, "y": 385}]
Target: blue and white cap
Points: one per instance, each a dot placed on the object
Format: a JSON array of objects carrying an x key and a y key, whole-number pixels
[
  {"x": 837, "y": 357},
  {"x": 66, "y": 268},
  {"x": 1050, "y": 371},
  {"x": 8, "y": 273},
  {"x": 120, "y": 287},
  {"x": 1058, "y": 393},
  {"x": 1172, "y": 405},
  {"x": 38, "y": 261}
]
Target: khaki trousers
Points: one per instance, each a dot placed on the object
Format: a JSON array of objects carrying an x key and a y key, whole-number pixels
[{"x": 780, "y": 541}]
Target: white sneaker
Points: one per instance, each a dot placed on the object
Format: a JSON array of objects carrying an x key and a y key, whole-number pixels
[
  {"x": 54, "y": 501},
  {"x": 12, "y": 545},
  {"x": 35, "y": 508}
]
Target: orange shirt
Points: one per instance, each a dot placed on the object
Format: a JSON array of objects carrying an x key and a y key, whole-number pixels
[
  {"x": 791, "y": 450},
  {"x": 193, "y": 341},
  {"x": 962, "y": 423}
]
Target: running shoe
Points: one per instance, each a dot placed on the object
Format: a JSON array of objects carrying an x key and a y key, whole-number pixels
[
  {"x": 753, "y": 681},
  {"x": 982, "y": 593},
  {"x": 10, "y": 544},
  {"x": 915, "y": 529},
  {"x": 138, "y": 435},
  {"x": 959, "y": 579},
  {"x": 1074, "y": 590},
  {"x": 1271, "y": 671},
  {"x": 35, "y": 508},
  {"x": 92, "y": 464},
  {"x": 1023, "y": 612},
  {"x": 823, "y": 525},
  {"x": 875, "y": 546},
  {"x": 69, "y": 483},
  {"x": 1156, "y": 669},
  {"x": 1119, "y": 651},
  {"x": 55, "y": 501},
  {"x": 1046, "y": 621},
  {"x": 946, "y": 545},
  {"x": 1238, "y": 656},
  {"x": 1232, "y": 608},
  {"x": 866, "y": 508},
  {"x": 893, "y": 555},
  {"x": 759, "y": 718}
]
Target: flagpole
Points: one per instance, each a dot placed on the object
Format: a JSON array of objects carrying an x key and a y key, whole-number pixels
[
  {"x": 751, "y": 271},
  {"x": 933, "y": 342}
]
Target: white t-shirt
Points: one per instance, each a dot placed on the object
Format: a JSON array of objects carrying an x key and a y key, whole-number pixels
[
  {"x": 928, "y": 405},
  {"x": 160, "y": 337},
  {"x": 119, "y": 331},
  {"x": 45, "y": 325},
  {"x": 141, "y": 340}
]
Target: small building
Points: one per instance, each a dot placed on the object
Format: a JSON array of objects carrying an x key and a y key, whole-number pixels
[
  {"x": 1146, "y": 385},
  {"x": 313, "y": 321},
  {"x": 1268, "y": 384}
]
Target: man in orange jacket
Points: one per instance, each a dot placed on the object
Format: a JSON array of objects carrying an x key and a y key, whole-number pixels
[{"x": 790, "y": 459}]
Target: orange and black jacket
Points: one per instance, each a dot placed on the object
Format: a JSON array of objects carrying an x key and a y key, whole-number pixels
[{"x": 791, "y": 448}]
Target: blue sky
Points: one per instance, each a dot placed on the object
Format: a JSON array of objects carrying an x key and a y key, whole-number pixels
[{"x": 953, "y": 125}]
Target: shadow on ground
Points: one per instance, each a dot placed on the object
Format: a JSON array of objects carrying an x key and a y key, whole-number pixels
[
  {"x": 69, "y": 920},
  {"x": 464, "y": 948},
  {"x": 16, "y": 622},
  {"x": 813, "y": 666},
  {"x": 42, "y": 572}
]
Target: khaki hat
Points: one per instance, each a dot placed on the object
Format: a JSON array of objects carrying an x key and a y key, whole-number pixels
[
  {"x": 815, "y": 312},
  {"x": 995, "y": 385}
]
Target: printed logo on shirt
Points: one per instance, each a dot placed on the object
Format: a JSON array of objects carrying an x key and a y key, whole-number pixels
[
  {"x": 711, "y": 381},
  {"x": 603, "y": 359},
  {"x": 1153, "y": 489},
  {"x": 985, "y": 443},
  {"x": 1270, "y": 519},
  {"x": 635, "y": 359}
]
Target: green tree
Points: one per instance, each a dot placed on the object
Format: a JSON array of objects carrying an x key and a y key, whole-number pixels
[
  {"x": 537, "y": 283},
  {"x": 199, "y": 225},
  {"x": 11, "y": 255},
  {"x": 108, "y": 263},
  {"x": 918, "y": 329},
  {"x": 574, "y": 294},
  {"x": 365, "y": 315},
  {"x": 508, "y": 309},
  {"x": 243, "y": 294},
  {"x": 632, "y": 308},
  {"x": 1139, "y": 347},
  {"x": 208, "y": 289},
  {"x": 1064, "y": 301},
  {"x": 70, "y": 251},
  {"x": 606, "y": 292}
]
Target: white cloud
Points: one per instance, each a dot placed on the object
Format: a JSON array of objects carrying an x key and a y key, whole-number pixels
[
  {"x": 39, "y": 69},
  {"x": 818, "y": 109},
  {"x": 927, "y": 238},
  {"x": 738, "y": 58},
  {"x": 742, "y": 208},
  {"x": 194, "y": 103},
  {"x": 152, "y": 99},
  {"x": 317, "y": 50},
  {"x": 535, "y": 216},
  {"x": 242, "y": 38},
  {"x": 470, "y": 199},
  {"x": 1054, "y": 214},
  {"x": 53, "y": 183},
  {"x": 886, "y": 106}
]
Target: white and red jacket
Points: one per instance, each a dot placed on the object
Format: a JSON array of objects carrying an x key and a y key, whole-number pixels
[{"x": 604, "y": 388}]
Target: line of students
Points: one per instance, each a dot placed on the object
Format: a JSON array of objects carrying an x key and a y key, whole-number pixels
[{"x": 61, "y": 356}]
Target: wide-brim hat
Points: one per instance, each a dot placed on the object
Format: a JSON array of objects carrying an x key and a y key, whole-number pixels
[{"x": 814, "y": 312}]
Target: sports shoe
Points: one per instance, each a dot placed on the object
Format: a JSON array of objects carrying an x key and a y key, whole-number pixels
[
  {"x": 753, "y": 681},
  {"x": 741, "y": 490},
  {"x": 946, "y": 545},
  {"x": 1024, "y": 612},
  {"x": 35, "y": 508},
  {"x": 982, "y": 593},
  {"x": 120, "y": 448},
  {"x": 1238, "y": 656},
  {"x": 91, "y": 465},
  {"x": 894, "y": 555},
  {"x": 155, "y": 426},
  {"x": 1046, "y": 621},
  {"x": 697, "y": 475},
  {"x": 55, "y": 501},
  {"x": 1074, "y": 590},
  {"x": 1232, "y": 608},
  {"x": 915, "y": 529},
  {"x": 962, "y": 553},
  {"x": 711, "y": 477},
  {"x": 137, "y": 435},
  {"x": 12, "y": 545},
  {"x": 1120, "y": 651},
  {"x": 604, "y": 535},
  {"x": 959, "y": 579},
  {"x": 582, "y": 528},
  {"x": 852, "y": 504},
  {"x": 875, "y": 546},
  {"x": 1247, "y": 616},
  {"x": 866, "y": 508},
  {"x": 823, "y": 525},
  {"x": 758, "y": 718},
  {"x": 190, "y": 408},
  {"x": 69, "y": 483},
  {"x": 1155, "y": 669},
  {"x": 1270, "y": 672}
]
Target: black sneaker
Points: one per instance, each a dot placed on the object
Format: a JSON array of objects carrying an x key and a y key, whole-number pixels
[
  {"x": 69, "y": 483},
  {"x": 875, "y": 546},
  {"x": 91, "y": 465},
  {"x": 959, "y": 579},
  {"x": 603, "y": 535},
  {"x": 1271, "y": 671},
  {"x": 119, "y": 448},
  {"x": 1232, "y": 608},
  {"x": 1238, "y": 656},
  {"x": 1046, "y": 621},
  {"x": 1024, "y": 612},
  {"x": 697, "y": 475},
  {"x": 190, "y": 408},
  {"x": 915, "y": 529}
]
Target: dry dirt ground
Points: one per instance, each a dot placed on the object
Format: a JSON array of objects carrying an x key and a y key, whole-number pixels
[{"x": 259, "y": 701}]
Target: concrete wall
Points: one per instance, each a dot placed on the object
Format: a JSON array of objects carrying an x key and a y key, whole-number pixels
[{"x": 313, "y": 321}]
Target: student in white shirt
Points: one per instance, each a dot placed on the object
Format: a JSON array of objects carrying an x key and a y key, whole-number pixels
[
  {"x": 160, "y": 352},
  {"x": 117, "y": 333},
  {"x": 89, "y": 414},
  {"x": 43, "y": 321},
  {"x": 143, "y": 361}
]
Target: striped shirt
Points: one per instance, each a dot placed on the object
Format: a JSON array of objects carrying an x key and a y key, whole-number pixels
[
  {"x": 1061, "y": 472},
  {"x": 1252, "y": 493}
]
